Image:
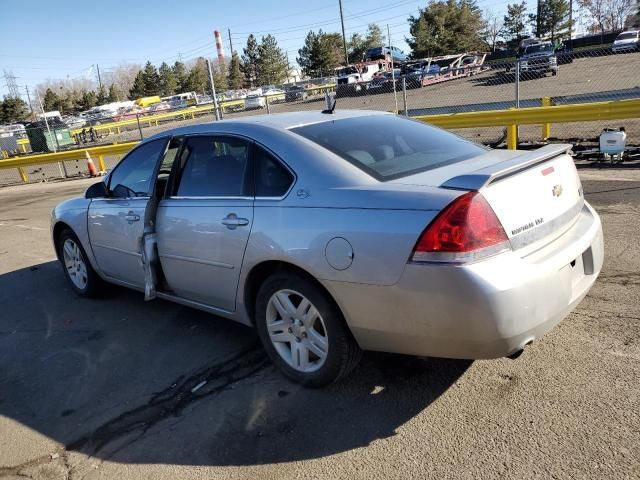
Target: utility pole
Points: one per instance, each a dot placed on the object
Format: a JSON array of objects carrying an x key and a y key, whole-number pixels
[
  {"x": 570, "y": 20},
  {"x": 26, "y": 87},
  {"x": 288, "y": 67},
  {"x": 99, "y": 80},
  {"x": 213, "y": 91},
  {"x": 538, "y": 21},
  {"x": 393, "y": 74},
  {"x": 230, "y": 42},
  {"x": 344, "y": 38}
]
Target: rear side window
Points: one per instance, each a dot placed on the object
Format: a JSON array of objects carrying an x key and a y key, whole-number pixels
[
  {"x": 272, "y": 179},
  {"x": 388, "y": 147},
  {"x": 214, "y": 167}
]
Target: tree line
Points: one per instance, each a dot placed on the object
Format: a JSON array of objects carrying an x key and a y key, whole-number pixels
[{"x": 441, "y": 27}]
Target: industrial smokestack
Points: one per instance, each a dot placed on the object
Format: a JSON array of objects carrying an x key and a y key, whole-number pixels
[{"x": 220, "y": 49}]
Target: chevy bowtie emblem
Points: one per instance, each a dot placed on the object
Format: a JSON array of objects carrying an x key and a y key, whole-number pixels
[{"x": 557, "y": 190}]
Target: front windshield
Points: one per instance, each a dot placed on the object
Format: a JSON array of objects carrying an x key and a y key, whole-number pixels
[
  {"x": 538, "y": 49},
  {"x": 627, "y": 36}
]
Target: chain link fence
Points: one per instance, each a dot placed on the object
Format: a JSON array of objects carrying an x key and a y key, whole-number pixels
[{"x": 541, "y": 74}]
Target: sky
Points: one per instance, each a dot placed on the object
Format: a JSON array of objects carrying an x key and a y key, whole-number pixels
[{"x": 43, "y": 39}]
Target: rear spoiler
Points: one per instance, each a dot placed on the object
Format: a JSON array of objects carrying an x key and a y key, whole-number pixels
[{"x": 487, "y": 175}]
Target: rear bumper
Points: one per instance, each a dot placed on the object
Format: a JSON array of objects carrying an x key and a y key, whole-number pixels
[{"x": 488, "y": 309}]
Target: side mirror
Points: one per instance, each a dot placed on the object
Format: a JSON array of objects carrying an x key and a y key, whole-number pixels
[{"x": 97, "y": 190}]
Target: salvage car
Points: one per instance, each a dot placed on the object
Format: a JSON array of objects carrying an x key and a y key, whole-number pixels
[{"x": 336, "y": 232}]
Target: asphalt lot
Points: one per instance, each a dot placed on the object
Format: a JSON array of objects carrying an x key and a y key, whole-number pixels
[{"x": 103, "y": 388}]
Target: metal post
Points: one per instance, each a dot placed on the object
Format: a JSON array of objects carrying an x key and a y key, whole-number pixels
[
  {"x": 404, "y": 96},
  {"x": 266, "y": 101},
  {"x": 344, "y": 38},
  {"x": 393, "y": 75},
  {"x": 546, "y": 127},
  {"x": 139, "y": 127},
  {"x": 46, "y": 122},
  {"x": 213, "y": 92},
  {"x": 517, "y": 82}
]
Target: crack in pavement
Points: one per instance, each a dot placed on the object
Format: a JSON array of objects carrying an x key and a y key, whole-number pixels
[
  {"x": 163, "y": 404},
  {"x": 174, "y": 399}
]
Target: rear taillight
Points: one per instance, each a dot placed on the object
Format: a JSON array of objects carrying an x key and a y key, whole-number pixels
[{"x": 466, "y": 230}]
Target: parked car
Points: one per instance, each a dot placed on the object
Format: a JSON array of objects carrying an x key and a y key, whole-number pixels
[
  {"x": 129, "y": 113},
  {"x": 332, "y": 233},
  {"x": 378, "y": 53},
  {"x": 275, "y": 95},
  {"x": 159, "y": 107},
  {"x": 72, "y": 121},
  {"x": 296, "y": 92},
  {"x": 539, "y": 58},
  {"x": 254, "y": 101},
  {"x": 16, "y": 130},
  {"x": 383, "y": 82},
  {"x": 626, "y": 41}
]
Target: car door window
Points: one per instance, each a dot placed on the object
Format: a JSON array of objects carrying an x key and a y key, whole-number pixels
[
  {"x": 133, "y": 177},
  {"x": 272, "y": 179},
  {"x": 214, "y": 167}
]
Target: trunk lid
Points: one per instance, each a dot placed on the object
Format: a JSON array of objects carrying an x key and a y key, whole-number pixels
[{"x": 535, "y": 194}]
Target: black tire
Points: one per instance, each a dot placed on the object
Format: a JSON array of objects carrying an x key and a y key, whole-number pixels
[
  {"x": 343, "y": 351},
  {"x": 94, "y": 282}
]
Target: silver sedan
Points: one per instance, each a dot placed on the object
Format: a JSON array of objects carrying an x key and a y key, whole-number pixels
[{"x": 333, "y": 233}]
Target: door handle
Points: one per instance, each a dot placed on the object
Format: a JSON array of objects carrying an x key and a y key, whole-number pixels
[
  {"x": 232, "y": 221},
  {"x": 131, "y": 217}
]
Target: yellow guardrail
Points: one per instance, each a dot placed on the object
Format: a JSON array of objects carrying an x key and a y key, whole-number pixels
[
  {"x": 79, "y": 154},
  {"x": 545, "y": 115},
  {"x": 511, "y": 118}
]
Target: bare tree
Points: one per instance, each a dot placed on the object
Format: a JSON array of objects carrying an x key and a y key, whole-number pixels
[
  {"x": 608, "y": 14},
  {"x": 121, "y": 76},
  {"x": 492, "y": 29}
]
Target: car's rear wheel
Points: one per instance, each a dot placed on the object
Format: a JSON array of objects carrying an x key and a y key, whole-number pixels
[
  {"x": 79, "y": 272},
  {"x": 303, "y": 331}
]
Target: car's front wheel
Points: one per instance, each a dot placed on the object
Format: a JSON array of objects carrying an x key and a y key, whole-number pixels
[
  {"x": 79, "y": 272},
  {"x": 303, "y": 331}
]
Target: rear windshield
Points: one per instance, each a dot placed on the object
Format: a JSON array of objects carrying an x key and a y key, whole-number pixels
[{"x": 388, "y": 147}]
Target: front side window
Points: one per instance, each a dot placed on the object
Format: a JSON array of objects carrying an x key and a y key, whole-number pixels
[
  {"x": 133, "y": 176},
  {"x": 387, "y": 146},
  {"x": 272, "y": 179},
  {"x": 214, "y": 167}
]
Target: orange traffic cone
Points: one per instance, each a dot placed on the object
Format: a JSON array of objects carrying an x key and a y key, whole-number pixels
[{"x": 93, "y": 171}]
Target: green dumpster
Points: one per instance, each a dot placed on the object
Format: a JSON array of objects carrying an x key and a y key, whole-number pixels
[{"x": 56, "y": 137}]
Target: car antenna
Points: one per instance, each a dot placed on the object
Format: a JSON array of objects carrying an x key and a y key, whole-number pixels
[{"x": 330, "y": 106}]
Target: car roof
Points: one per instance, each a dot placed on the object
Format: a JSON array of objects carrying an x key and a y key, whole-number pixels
[{"x": 278, "y": 121}]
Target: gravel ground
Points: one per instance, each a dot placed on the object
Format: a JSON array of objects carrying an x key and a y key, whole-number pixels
[{"x": 103, "y": 388}]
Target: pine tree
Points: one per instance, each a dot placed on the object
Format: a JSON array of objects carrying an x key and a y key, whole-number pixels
[
  {"x": 220, "y": 79},
  {"x": 114, "y": 93},
  {"x": 250, "y": 62},
  {"x": 168, "y": 83},
  {"x": 137, "y": 90},
  {"x": 321, "y": 53},
  {"x": 89, "y": 99},
  {"x": 13, "y": 109},
  {"x": 514, "y": 21},
  {"x": 446, "y": 27},
  {"x": 272, "y": 62},
  {"x": 182, "y": 77},
  {"x": 554, "y": 19},
  {"x": 235, "y": 74},
  {"x": 101, "y": 96},
  {"x": 50, "y": 101},
  {"x": 150, "y": 80},
  {"x": 198, "y": 79}
]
